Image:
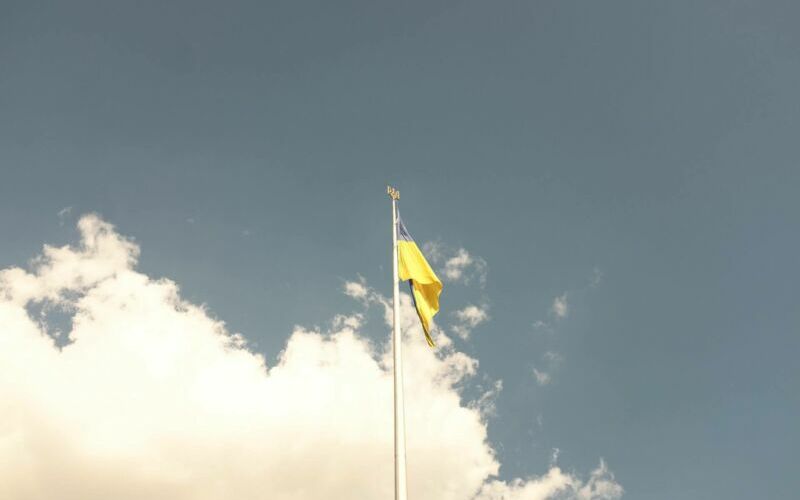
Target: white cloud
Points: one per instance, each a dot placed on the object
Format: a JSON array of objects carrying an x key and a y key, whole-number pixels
[
  {"x": 63, "y": 214},
  {"x": 462, "y": 267},
  {"x": 601, "y": 485},
  {"x": 554, "y": 456},
  {"x": 553, "y": 358},
  {"x": 596, "y": 278},
  {"x": 350, "y": 322},
  {"x": 454, "y": 267},
  {"x": 560, "y": 307},
  {"x": 154, "y": 398},
  {"x": 542, "y": 378},
  {"x": 459, "y": 265},
  {"x": 468, "y": 318},
  {"x": 542, "y": 326},
  {"x": 356, "y": 289},
  {"x": 433, "y": 251},
  {"x": 485, "y": 404}
]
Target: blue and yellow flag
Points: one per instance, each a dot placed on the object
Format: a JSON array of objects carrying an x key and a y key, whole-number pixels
[{"x": 425, "y": 286}]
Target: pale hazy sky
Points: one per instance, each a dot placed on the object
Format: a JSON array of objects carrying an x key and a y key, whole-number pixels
[{"x": 616, "y": 181}]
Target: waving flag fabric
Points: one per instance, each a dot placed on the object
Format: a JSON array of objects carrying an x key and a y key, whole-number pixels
[{"x": 425, "y": 286}]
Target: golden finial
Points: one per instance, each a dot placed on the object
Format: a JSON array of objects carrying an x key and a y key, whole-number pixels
[{"x": 393, "y": 193}]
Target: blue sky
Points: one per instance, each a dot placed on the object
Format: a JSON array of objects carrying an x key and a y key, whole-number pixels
[{"x": 638, "y": 159}]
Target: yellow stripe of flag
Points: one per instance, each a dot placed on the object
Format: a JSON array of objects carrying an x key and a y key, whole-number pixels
[{"x": 425, "y": 285}]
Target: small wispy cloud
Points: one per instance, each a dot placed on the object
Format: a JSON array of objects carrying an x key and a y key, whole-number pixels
[
  {"x": 433, "y": 250},
  {"x": 356, "y": 289},
  {"x": 554, "y": 453},
  {"x": 550, "y": 362},
  {"x": 350, "y": 322},
  {"x": 543, "y": 326},
  {"x": 468, "y": 318},
  {"x": 459, "y": 265},
  {"x": 362, "y": 292},
  {"x": 596, "y": 278},
  {"x": 486, "y": 403},
  {"x": 542, "y": 378},
  {"x": 560, "y": 306},
  {"x": 553, "y": 358},
  {"x": 455, "y": 266},
  {"x": 558, "y": 311},
  {"x": 63, "y": 214},
  {"x": 463, "y": 267}
]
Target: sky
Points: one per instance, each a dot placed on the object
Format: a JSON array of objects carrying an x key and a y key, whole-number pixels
[{"x": 606, "y": 188}]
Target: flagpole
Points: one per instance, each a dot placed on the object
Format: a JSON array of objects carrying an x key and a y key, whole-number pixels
[{"x": 397, "y": 346}]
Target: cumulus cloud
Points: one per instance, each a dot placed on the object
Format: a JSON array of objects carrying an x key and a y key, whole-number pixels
[
  {"x": 560, "y": 307},
  {"x": 153, "y": 397},
  {"x": 468, "y": 318},
  {"x": 601, "y": 485}
]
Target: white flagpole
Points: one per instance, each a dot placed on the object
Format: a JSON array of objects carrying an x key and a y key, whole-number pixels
[{"x": 397, "y": 346}]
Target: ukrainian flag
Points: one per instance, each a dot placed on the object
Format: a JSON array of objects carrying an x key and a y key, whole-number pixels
[{"x": 425, "y": 286}]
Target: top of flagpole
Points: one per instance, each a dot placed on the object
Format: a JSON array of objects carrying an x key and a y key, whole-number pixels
[{"x": 393, "y": 193}]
